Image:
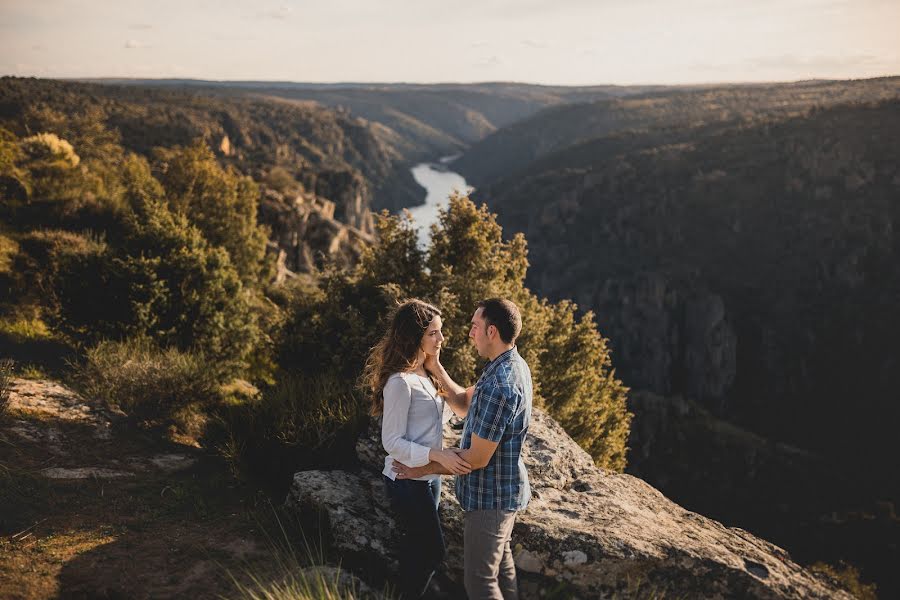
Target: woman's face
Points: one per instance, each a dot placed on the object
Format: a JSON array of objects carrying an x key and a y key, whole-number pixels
[{"x": 433, "y": 338}]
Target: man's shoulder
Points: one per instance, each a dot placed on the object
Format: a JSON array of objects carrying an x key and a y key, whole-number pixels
[{"x": 512, "y": 371}]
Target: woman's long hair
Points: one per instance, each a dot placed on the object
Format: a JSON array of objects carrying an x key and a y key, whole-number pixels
[{"x": 398, "y": 349}]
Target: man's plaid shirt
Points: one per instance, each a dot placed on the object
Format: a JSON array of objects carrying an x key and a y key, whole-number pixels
[{"x": 500, "y": 412}]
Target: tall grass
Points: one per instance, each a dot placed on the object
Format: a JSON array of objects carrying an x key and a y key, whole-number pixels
[
  {"x": 301, "y": 421},
  {"x": 145, "y": 381},
  {"x": 289, "y": 574}
]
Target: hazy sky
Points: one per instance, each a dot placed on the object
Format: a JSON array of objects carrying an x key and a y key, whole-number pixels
[{"x": 537, "y": 41}]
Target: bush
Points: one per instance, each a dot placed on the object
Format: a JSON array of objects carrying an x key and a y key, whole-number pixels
[
  {"x": 299, "y": 422},
  {"x": 184, "y": 292},
  {"x": 145, "y": 381},
  {"x": 66, "y": 273},
  {"x": 220, "y": 203},
  {"x": 846, "y": 577}
]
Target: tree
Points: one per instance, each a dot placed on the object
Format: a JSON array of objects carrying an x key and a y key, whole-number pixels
[
  {"x": 185, "y": 293},
  {"x": 468, "y": 260},
  {"x": 221, "y": 203}
]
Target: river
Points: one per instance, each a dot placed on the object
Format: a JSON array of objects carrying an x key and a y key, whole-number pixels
[{"x": 439, "y": 182}]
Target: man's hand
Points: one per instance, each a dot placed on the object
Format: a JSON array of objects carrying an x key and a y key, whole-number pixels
[
  {"x": 433, "y": 362},
  {"x": 450, "y": 460}
]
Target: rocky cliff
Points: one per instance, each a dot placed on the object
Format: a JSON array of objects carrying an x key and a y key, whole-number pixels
[
  {"x": 304, "y": 233},
  {"x": 588, "y": 533}
]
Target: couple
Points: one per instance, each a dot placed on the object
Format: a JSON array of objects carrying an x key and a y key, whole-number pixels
[{"x": 414, "y": 392}]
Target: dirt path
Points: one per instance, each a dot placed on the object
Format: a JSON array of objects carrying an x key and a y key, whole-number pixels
[{"x": 90, "y": 508}]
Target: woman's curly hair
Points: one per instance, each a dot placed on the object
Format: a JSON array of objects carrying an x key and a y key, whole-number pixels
[{"x": 398, "y": 349}]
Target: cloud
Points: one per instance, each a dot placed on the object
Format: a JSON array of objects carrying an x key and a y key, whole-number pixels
[
  {"x": 792, "y": 61},
  {"x": 282, "y": 12},
  {"x": 490, "y": 61},
  {"x": 794, "y": 66}
]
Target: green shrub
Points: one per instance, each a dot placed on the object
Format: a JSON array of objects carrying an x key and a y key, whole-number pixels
[
  {"x": 182, "y": 291},
  {"x": 299, "y": 422},
  {"x": 67, "y": 274},
  {"x": 147, "y": 382},
  {"x": 847, "y": 577},
  {"x": 219, "y": 202}
]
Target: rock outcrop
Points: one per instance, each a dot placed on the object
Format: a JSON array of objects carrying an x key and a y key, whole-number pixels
[
  {"x": 668, "y": 335},
  {"x": 348, "y": 190},
  {"x": 588, "y": 533},
  {"x": 305, "y": 233}
]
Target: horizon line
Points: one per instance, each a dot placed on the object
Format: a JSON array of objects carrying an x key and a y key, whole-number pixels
[{"x": 445, "y": 83}]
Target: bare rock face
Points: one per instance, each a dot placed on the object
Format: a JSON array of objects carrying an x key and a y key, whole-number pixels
[
  {"x": 668, "y": 335},
  {"x": 305, "y": 233},
  {"x": 587, "y": 533},
  {"x": 350, "y": 193}
]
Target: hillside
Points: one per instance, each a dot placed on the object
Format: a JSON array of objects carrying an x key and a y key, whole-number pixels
[
  {"x": 751, "y": 269},
  {"x": 431, "y": 119},
  {"x": 329, "y": 152},
  {"x": 679, "y": 112}
]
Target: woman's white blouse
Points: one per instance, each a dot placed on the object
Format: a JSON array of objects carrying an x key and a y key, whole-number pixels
[{"x": 414, "y": 416}]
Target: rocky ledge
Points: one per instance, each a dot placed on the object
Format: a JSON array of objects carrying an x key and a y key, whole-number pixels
[{"x": 588, "y": 532}]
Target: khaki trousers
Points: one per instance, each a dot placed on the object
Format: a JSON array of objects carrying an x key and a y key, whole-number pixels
[{"x": 490, "y": 573}]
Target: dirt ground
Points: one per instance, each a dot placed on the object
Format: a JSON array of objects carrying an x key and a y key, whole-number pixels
[{"x": 90, "y": 508}]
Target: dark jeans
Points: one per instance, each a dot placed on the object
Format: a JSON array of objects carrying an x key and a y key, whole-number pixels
[{"x": 415, "y": 505}]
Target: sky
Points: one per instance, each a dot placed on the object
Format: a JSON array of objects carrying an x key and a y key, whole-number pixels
[{"x": 560, "y": 42}]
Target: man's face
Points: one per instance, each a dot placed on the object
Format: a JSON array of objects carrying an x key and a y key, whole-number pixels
[{"x": 478, "y": 333}]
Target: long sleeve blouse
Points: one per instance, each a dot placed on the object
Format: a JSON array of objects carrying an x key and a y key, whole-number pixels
[{"x": 413, "y": 421}]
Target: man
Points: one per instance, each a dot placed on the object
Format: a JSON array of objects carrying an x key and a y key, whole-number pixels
[{"x": 498, "y": 411}]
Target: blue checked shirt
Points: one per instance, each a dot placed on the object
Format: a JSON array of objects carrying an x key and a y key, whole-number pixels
[{"x": 500, "y": 412}]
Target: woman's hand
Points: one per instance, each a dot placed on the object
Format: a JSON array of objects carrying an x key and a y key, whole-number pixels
[
  {"x": 451, "y": 461},
  {"x": 404, "y": 472}
]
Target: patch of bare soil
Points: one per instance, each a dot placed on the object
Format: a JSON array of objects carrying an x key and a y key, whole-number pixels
[{"x": 90, "y": 508}]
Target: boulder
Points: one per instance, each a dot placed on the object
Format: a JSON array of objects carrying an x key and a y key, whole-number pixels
[{"x": 587, "y": 533}]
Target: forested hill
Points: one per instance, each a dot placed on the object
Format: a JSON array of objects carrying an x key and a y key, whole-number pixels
[
  {"x": 752, "y": 269},
  {"x": 329, "y": 151},
  {"x": 784, "y": 230},
  {"x": 432, "y": 120},
  {"x": 682, "y": 111}
]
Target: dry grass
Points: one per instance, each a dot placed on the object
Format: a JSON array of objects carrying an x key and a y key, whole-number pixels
[
  {"x": 8, "y": 249},
  {"x": 147, "y": 382},
  {"x": 156, "y": 534},
  {"x": 6, "y": 369}
]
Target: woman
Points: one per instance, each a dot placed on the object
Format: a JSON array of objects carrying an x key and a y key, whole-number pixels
[{"x": 411, "y": 432}]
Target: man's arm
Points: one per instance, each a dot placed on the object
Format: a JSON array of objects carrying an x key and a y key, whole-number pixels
[
  {"x": 478, "y": 456},
  {"x": 458, "y": 397}
]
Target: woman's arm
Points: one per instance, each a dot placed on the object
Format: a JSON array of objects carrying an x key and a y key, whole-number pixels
[
  {"x": 397, "y": 399},
  {"x": 478, "y": 456}
]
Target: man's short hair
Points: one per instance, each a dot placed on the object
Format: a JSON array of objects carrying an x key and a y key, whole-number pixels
[{"x": 504, "y": 315}]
